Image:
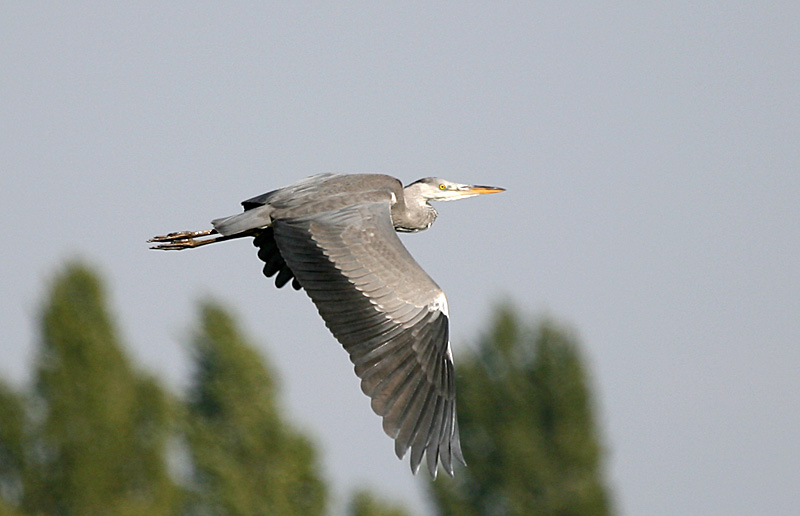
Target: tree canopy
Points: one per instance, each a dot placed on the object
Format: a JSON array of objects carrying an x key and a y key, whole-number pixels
[
  {"x": 247, "y": 460},
  {"x": 366, "y": 503},
  {"x": 527, "y": 427},
  {"x": 99, "y": 425},
  {"x": 94, "y": 435}
]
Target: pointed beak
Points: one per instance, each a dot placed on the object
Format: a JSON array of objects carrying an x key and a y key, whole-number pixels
[{"x": 477, "y": 189}]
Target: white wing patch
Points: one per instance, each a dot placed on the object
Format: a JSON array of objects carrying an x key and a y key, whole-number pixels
[{"x": 440, "y": 303}]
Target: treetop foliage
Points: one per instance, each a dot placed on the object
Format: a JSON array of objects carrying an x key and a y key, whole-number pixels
[
  {"x": 96, "y": 436},
  {"x": 527, "y": 427},
  {"x": 247, "y": 459},
  {"x": 365, "y": 503}
]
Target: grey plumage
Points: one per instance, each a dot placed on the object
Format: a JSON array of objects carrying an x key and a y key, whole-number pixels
[{"x": 335, "y": 237}]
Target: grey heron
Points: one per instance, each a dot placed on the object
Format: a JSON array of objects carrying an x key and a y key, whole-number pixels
[{"x": 335, "y": 237}]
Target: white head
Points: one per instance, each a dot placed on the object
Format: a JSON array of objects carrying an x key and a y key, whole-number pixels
[{"x": 438, "y": 189}]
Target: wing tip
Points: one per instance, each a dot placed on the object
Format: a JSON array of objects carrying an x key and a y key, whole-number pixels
[{"x": 446, "y": 453}]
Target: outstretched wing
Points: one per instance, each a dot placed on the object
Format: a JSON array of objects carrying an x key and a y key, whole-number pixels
[{"x": 389, "y": 315}]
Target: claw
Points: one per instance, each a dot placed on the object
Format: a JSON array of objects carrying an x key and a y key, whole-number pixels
[
  {"x": 176, "y": 245},
  {"x": 186, "y": 239},
  {"x": 182, "y": 240},
  {"x": 182, "y": 235}
]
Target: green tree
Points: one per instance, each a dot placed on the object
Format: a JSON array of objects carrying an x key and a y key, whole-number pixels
[
  {"x": 364, "y": 503},
  {"x": 247, "y": 460},
  {"x": 99, "y": 427},
  {"x": 12, "y": 424},
  {"x": 7, "y": 510},
  {"x": 527, "y": 428}
]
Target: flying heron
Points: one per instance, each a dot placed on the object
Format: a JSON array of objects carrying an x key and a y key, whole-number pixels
[{"x": 334, "y": 236}]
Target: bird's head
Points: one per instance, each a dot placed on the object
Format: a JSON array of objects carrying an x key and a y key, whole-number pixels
[{"x": 438, "y": 189}]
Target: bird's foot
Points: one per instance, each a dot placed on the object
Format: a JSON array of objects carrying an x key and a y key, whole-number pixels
[{"x": 182, "y": 240}]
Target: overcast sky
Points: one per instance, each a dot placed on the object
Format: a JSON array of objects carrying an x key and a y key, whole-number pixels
[{"x": 651, "y": 153}]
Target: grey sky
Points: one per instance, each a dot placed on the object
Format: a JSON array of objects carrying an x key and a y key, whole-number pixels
[{"x": 650, "y": 151}]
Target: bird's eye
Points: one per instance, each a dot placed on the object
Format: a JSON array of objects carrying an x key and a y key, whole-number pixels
[{"x": 442, "y": 187}]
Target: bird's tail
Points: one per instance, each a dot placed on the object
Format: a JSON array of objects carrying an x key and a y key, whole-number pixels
[{"x": 256, "y": 218}]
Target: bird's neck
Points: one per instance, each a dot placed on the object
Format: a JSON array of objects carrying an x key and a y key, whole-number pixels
[{"x": 413, "y": 216}]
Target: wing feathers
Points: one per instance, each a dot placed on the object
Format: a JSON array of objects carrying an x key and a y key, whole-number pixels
[
  {"x": 386, "y": 312},
  {"x": 406, "y": 419},
  {"x": 395, "y": 391},
  {"x": 269, "y": 253}
]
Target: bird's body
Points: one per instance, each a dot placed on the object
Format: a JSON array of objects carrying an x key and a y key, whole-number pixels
[
  {"x": 334, "y": 236},
  {"x": 302, "y": 198}
]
